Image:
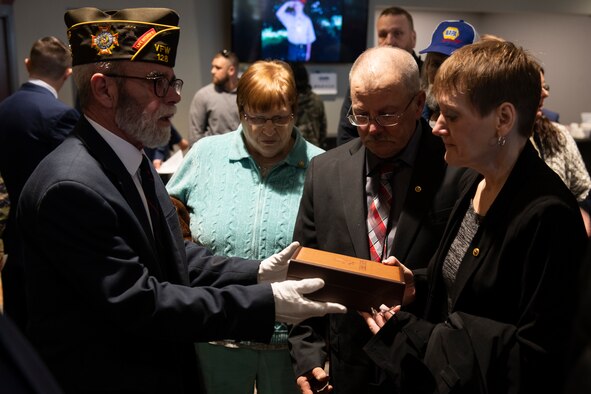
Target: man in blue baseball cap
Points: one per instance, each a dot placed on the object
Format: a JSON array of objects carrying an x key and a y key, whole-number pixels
[{"x": 449, "y": 36}]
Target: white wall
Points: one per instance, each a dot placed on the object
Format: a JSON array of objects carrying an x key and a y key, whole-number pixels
[
  {"x": 557, "y": 32},
  {"x": 561, "y": 44}
]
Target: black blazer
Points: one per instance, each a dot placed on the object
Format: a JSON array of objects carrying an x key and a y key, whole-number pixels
[
  {"x": 105, "y": 313},
  {"x": 332, "y": 217},
  {"x": 517, "y": 277}
]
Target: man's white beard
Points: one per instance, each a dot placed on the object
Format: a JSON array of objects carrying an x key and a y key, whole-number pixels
[{"x": 140, "y": 126}]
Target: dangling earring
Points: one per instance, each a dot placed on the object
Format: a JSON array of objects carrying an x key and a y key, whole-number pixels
[{"x": 501, "y": 141}]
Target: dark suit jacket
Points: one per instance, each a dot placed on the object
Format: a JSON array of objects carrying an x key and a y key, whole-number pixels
[
  {"x": 105, "y": 313},
  {"x": 332, "y": 217},
  {"x": 32, "y": 123},
  {"x": 517, "y": 276}
]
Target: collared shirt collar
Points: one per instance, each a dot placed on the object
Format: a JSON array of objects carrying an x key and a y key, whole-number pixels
[
  {"x": 296, "y": 157},
  {"x": 129, "y": 155},
  {"x": 45, "y": 85},
  {"x": 220, "y": 88},
  {"x": 407, "y": 155}
]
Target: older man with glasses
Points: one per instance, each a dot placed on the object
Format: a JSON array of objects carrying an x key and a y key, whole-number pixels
[
  {"x": 384, "y": 196},
  {"x": 395, "y": 28},
  {"x": 213, "y": 108}
]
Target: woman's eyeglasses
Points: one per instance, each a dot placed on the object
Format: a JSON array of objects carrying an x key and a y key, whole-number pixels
[{"x": 279, "y": 120}]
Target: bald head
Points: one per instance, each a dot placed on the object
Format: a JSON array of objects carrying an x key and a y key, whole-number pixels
[
  {"x": 384, "y": 68},
  {"x": 385, "y": 82}
]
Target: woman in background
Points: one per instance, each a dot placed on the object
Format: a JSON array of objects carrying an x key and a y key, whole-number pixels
[
  {"x": 559, "y": 150},
  {"x": 242, "y": 190},
  {"x": 310, "y": 118}
]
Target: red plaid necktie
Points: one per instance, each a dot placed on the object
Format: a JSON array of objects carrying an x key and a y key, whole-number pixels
[{"x": 378, "y": 212}]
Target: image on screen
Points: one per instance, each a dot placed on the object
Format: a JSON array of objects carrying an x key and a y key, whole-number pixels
[{"x": 320, "y": 31}]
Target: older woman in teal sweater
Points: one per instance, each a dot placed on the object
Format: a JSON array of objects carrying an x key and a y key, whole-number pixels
[{"x": 242, "y": 190}]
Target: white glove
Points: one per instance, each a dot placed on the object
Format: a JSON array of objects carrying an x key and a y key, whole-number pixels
[
  {"x": 290, "y": 305},
  {"x": 274, "y": 268}
]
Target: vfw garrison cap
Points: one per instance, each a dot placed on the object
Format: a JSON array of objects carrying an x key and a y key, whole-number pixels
[{"x": 134, "y": 34}]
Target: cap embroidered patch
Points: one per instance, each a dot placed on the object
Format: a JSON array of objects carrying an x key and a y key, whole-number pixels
[
  {"x": 144, "y": 39},
  {"x": 105, "y": 41},
  {"x": 451, "y": 33}
]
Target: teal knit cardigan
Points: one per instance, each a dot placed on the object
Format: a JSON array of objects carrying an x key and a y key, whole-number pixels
[{"x": 233, "y": 210}]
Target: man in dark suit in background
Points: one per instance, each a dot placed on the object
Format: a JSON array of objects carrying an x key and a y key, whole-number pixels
[
  {"x": 395, "y": 28},
  {"x": 341, "y": 186},
  {"x": 32, "y": 123},
  {"x": 116, "y": 298}
]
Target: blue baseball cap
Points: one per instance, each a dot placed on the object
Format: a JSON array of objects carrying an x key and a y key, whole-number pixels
[{"x": 451, "y": 35}]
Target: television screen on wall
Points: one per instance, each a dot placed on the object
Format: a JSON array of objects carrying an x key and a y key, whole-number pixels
[{"x": 316, "y": 31}]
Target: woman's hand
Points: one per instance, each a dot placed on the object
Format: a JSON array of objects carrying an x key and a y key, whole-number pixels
[
  {"x": 377, "y": 319},
  {"x": 409, "y": 289}
]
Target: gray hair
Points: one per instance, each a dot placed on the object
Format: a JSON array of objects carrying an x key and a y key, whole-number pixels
[
  {"x": 394, "y": 64},
  {"x": 84, "y": 72}
]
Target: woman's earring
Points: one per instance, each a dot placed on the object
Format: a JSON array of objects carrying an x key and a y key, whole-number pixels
[{"x": 501, "y": 141}]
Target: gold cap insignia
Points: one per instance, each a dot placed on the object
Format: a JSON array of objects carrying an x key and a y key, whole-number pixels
[{"x": 105, "y": 41}]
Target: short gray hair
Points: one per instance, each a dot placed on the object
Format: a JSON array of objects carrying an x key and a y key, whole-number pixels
[
  {"x": 375, "y": 64},
  {"x": 84, "y": 72}
]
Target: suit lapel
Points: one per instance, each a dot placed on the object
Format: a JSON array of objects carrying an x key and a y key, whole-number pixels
[
  {"x": 471, "y": 261},
  {"x": 428, "y": 171},
  {"x": 119, "y": 176},
  {"x": 494, "y": 222},
  {"x": 352, "y": 188},
  {"x": 437, "y": 289},
  {"x": 174, "y": 250}
]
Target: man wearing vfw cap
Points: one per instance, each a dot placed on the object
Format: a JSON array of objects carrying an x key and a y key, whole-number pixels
[{"x": 116, "y": 298}]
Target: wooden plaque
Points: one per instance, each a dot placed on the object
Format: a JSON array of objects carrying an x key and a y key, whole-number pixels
[{"x": 356, "y": 283}]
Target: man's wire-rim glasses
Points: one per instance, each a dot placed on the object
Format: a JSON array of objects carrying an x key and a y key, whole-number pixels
[
  {"x": 161, "y": 84},
  {"x": 385, "y": 120}
]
